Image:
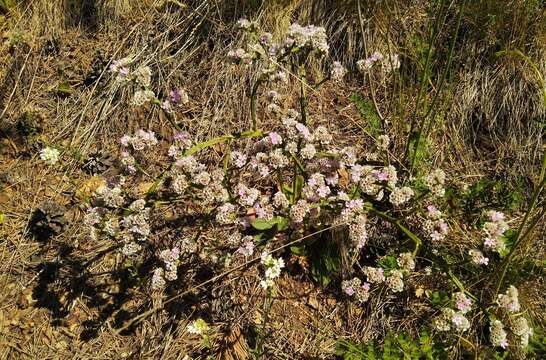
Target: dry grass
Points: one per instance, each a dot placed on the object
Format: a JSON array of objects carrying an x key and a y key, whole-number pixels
[{"x": 48, "y": 43}]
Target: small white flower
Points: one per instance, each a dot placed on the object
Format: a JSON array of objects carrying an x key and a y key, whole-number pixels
[
  {"x": 49, "y": 155},
  {"x": 199, "y": 327}
]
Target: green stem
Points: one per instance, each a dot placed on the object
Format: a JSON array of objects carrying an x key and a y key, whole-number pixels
[
  {"x": 263, "y": 334},
  {"x": 518, "y": 237},
  {"x": 303, "y": 92},
  {"x": 416, "y": 240},
  {"x": 424, "y": 79},
  {"x": 254, "y": 104},
  {"x": 440, "y": 86}
]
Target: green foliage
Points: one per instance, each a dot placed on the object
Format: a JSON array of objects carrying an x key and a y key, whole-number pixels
[
  {"x": 6, "y": 5},
  {"x": 487, "y": 192},
  {"x": 388, "y": 263},
  {"x": 394, "y": 347},
  {"x": 64, "y": 89},
  {"x": 418, "y": 148},
  {"x": 367, "y": 111},
  {"x": 28, "y": 124},
  {"x": 280, "y": 222},
  {"x": 325, "y": 261},
  {"x": 509, "y": 239},
  {"x": 537, "y": 344},
  {"x": 437, "y": 298}
]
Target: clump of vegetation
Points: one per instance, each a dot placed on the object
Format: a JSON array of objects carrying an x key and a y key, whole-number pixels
[
  {"x": 287, "y": 189},
  {"x": 291, "y": 194}
]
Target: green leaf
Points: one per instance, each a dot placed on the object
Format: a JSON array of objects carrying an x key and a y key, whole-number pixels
[
  {"x": 64, "y": 89},
  {"x": 437, "y": 298},
  {"x": 388, "y": 263},
  {"x": 205, "y": 144},
  {"x": 287, "y": 190},
  {"x": 297, "y": 250},
  {"x": 298, "y": 186},
  {"x": 261, "y": 224}
]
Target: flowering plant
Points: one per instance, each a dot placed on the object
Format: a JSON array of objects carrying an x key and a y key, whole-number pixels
[{"x": 275, "y": 188}]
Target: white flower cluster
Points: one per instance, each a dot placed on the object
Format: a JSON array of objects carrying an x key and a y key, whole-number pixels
[
  {"x": 406, "y": 261},
  {"x": 355, "y": 287},
  {"x": 310, "y": 37},
  {"x": 395, "y": 281},
  {"x": 247, "y": 246},
  {"x": 389, "y": 62},
  {"x": 510, "y": 299},
  {"x": 454, "y": 319},
  {"x": 435, "y": 181},
  {"x": 198, "y": 327},
  {"x": 49, "y": 155},
  {"x": 374, "y": 275},
  {"x": 520, "y": 327},
  {"x": 141, "y": 140},
  {"x": 306, "y": 39},
  {"x": 477, "y": 257},
  {"x": 169, "y": 270},
  {"x": 450, "y": 319},
  {"x": 401, "y": 195},
  {"x": 434, "y": 225},
  {"x": 497, "y": 334},
  {"x": 272, "y": 270},
  {"x": 120, "y": 68},
  {"x": 337, "y": 71},
  {"x": 494, "y": 230},
  {"x": 141, "y": 77},
  {"x": 110, "y": 196}
]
